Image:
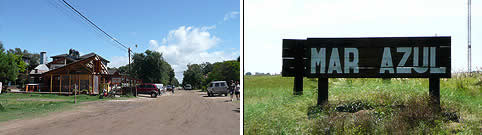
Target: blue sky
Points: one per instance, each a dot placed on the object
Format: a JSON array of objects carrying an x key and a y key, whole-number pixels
[
  {"x": 185, "y": 31},
  {"x": 293, "y": 19}
]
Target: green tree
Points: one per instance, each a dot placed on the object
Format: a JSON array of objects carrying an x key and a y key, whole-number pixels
[
  {"x": 150, "y": 67},
  {"x": 175, "y": 82},
  {"x": 172, "y": 77},
  {"x": 193, "y": 75},
  {"x": 10, "y": 65},
  {"x": 33, "y": 61},
  {"x": 1, "y": 47},
  {"x": 225, "y": 71},
  {"x": 206, "y": 68}
]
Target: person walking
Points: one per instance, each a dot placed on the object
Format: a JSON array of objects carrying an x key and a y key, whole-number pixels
[
  {"x": 237, "y": 90},
  {"x": 173, "y": 89},
  {"x": 232, "y": 86}
]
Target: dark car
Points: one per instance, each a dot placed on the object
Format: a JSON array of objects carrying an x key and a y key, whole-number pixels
[
  {"x": 169, "y": 88},
  {"x": 148, "y": 88}
]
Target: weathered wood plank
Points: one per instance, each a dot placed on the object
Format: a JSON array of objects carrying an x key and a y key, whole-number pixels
[{"x": 407, "y": 57}]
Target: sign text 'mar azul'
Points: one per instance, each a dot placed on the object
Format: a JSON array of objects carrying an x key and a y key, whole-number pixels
[{"x": 390, "y": 57}]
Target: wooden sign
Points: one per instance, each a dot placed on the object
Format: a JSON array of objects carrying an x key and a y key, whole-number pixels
[
  {"x": 116, "y": 80},
  {"x": 379, "y": 57}
]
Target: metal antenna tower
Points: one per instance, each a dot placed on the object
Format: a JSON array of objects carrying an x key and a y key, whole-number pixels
[{"x": 469, "y": 49}]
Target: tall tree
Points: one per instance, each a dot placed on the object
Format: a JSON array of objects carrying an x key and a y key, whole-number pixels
[
  {"x": 10, "y": 65},
  {"x": 193, "y": 75},
  {"x": 150, "y": 67},
  {"x": 225, "y": 71},
  {"x": 1, "y": 47},
  {"x": 206, "y": 68}
]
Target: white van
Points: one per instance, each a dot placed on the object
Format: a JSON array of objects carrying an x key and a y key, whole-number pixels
[
  {"x": 188, "y": 87},
  {"x": 161, "y": 88},
  {"x": 218, "y": 87}
]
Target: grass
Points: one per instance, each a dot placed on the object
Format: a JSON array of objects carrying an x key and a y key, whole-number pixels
[
  {"x": 396, "y": 106},
  {"x": 20, "y": 105}
]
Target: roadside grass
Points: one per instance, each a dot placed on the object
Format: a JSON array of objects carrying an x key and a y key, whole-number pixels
[
  {"x": 362, "y": 106},
  {"x": 21, "y": 105}
]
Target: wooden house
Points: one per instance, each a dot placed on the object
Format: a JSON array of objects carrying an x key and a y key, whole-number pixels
[{"x": 68, "y": 72}]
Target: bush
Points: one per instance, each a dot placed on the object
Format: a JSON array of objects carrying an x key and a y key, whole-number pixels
[
  {"x": 2, "y": 109},
  {"x": 418, "y": 113}
]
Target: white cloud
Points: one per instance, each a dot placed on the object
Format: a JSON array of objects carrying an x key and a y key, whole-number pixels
[
  {"x": 230, "y": 15},
  {"x": 117, "y": 61},
  {"x": 190, "y": 45}
]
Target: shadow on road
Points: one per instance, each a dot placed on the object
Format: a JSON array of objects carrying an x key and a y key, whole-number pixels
[
  {"x": 236, "y": 110},
  {"x": 143, "y": 96}
]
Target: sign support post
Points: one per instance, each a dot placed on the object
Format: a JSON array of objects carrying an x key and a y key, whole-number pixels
[
  {"x": 375, "y": 57},
  {"x": 434, "y": 92},
  {"x": 322, "y": 90},
  {"x": 298, "y": 86}
]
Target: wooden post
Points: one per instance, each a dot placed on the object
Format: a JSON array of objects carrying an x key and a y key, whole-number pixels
[
  {"x": 75, "y": 90},
  {"x": 103, "y": 79},
  {"x": 434, "y": 92},
  {"x": 51, "y": 79},
  {"x": 91, "y": 89},
  {"x": 322, "y": 90},
  {"x": 298, "y": 85},
  {"x": 78, "y": 77},
  {"x": 60, "y": 89},
  {"x": 70, "y": 80},
  {"x": 299, "y": 68}
]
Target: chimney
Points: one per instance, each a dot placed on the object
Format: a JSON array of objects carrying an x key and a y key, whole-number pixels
[{"x": 43, "y": 57}]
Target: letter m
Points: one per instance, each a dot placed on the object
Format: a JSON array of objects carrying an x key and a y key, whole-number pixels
[{"x": 318, "y": 58}]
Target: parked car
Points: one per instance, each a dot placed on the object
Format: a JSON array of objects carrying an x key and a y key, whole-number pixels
[
  {"x": 188, "y": 87},
  {"x": 217, "y": 87},
  {"x": 169, "y": 88},
  {"x": 148, "y": 88}
]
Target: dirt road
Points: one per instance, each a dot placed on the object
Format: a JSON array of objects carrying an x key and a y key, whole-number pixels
[{"x": 185, "y": 112}]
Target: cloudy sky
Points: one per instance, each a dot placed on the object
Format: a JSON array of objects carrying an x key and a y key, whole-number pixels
[
  {"x": 266, "y": 24},
  {"x": 185, "y": 31}
]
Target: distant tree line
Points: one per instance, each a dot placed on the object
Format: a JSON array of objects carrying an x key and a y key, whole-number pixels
[
  {"x": 200, "y": 75},
  {"x": 150, "y": 67},
  {"x": 260, "y": 73}
]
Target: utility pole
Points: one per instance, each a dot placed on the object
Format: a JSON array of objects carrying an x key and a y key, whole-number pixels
[
  {"x": 469, "y": 49},
  {"x": 130, "y": 69}
]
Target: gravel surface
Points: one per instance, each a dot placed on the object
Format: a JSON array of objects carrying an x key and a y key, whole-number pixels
[{"x": 185, "y": 112}]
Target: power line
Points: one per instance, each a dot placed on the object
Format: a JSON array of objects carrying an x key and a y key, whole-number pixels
[
  {"x": 79, "y": 20},
  {"x": 115, "y": 40}
]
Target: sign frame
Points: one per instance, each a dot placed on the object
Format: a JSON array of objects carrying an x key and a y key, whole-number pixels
[{"x": 431, "y": 58}]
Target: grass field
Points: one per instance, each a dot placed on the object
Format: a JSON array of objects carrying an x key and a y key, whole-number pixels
[
  {"x": 362, "y": 106},
  {"x": 20, "y": 105}
]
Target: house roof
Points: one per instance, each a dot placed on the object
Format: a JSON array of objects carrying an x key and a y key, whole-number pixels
[
  {"x": 77, "y": 62},
  {"x": 80, "y": 58},
  {"x": 42, "y": 68},
  {"x": 61, "y": 55},
  {"x": 111, "y": 71},
  {"x": 90, "y": 55}
]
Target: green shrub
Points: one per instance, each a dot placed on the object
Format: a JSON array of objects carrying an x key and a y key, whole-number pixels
[{"x": 2, "y": 109}]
